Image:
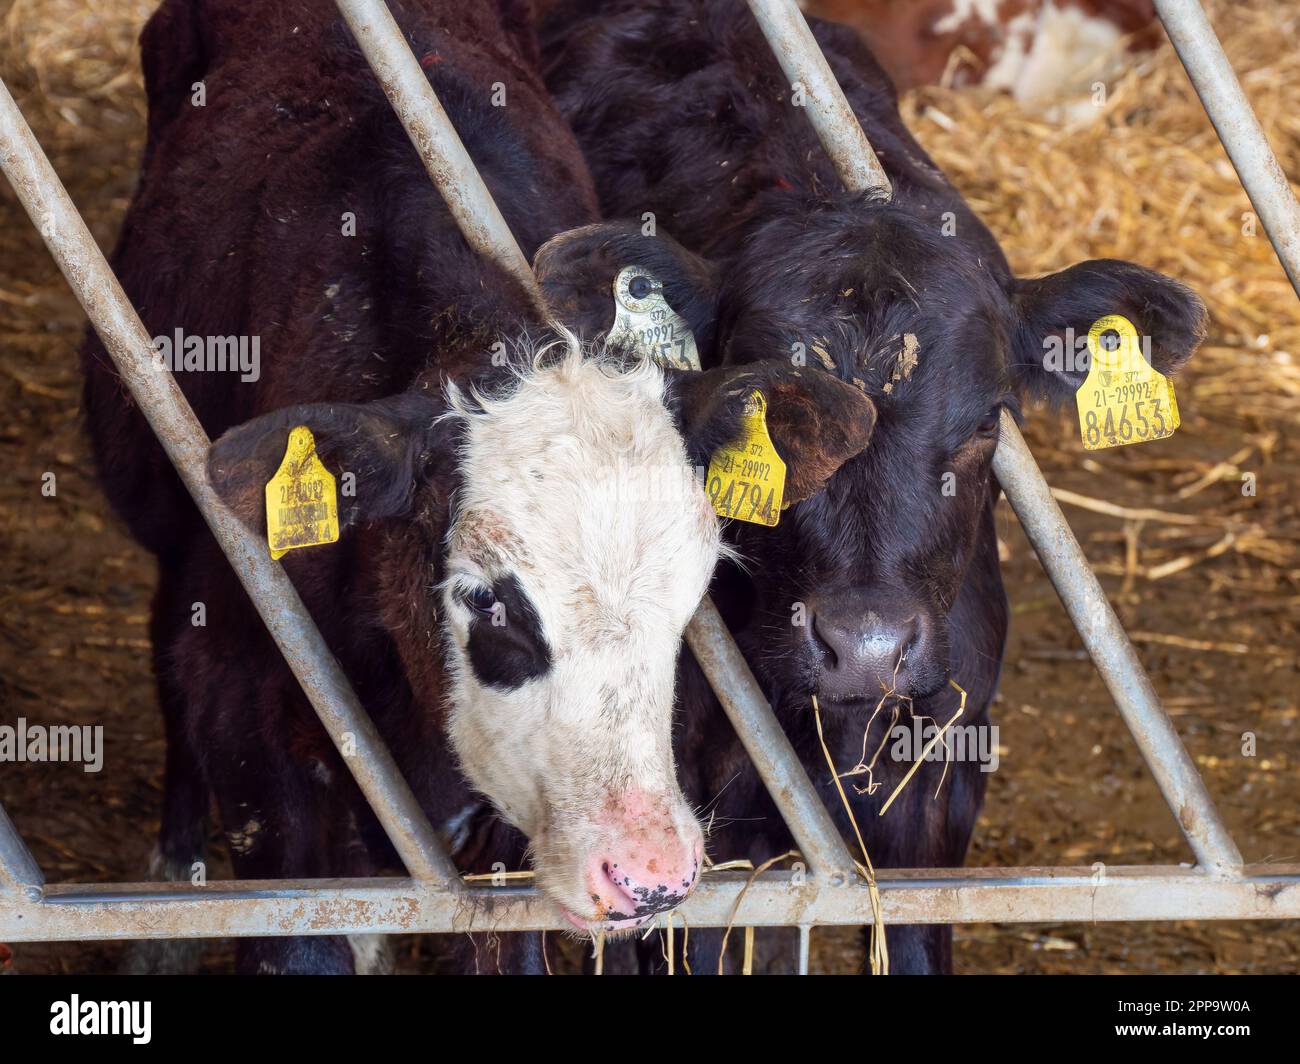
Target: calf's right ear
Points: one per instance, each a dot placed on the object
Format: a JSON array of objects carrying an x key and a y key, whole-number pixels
[
  {"x": 387, "y": 445},
  {"x": 817, "y": 422}
]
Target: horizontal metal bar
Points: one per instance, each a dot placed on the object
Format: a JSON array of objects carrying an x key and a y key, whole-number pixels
[
  {"x": 1234, "y": 119},
  {"x": 440, "y": 148},
  {"x": 394, "y": 906},
  {"x": 182, "y": 437},
  {"x": 796, "y": 49},
  {"x": 1027, "y": 491},
  {"x": 765, "y": 741},
  {"x": 18, "y": 868},
  {"x": 1112, "y": 652}
]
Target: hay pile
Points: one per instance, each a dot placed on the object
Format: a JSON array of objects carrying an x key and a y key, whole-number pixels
[
  {"x": 1148, "y": 181},
  {"x": 73, "y": 65}
]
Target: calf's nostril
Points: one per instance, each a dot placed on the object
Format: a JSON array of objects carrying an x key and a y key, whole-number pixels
[
  {"x": 621, "y": 882},
  {"x": 823, "y": 641}
]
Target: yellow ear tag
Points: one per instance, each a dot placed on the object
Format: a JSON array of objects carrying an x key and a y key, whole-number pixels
[
  {"x": 746, "y": 478},
  {"x": 1124, "y": 398},
  {"x": 302, "y": 505}
]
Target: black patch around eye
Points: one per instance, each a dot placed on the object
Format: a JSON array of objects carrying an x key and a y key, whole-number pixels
[{"x": 506, "y": 644}]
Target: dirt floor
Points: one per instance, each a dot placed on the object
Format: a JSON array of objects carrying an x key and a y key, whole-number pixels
[{"x": 1212, "y": 597}]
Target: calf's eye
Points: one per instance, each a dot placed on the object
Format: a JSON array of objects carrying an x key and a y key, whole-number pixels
[
  {"x": 480, "y": 600},
  {"x": 989, "y": 425}
]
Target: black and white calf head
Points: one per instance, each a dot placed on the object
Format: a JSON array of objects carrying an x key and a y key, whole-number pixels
[{"x": 566, "y": 541}]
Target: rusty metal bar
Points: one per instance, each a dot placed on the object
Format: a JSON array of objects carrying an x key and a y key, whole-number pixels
[
  {"x": 435, "y": 139},
  {"x": 182, "y": 437},
  {"x": 18, "y": 869},
  {"x": 1234, "y": 119},
  {"x": 804, "y": 65},
  {"x": 908, "y": 896},
  {"x": 471, "y": 204},
  {"x": 1061, "y": 556},
  {"x": 766, "y": 743}
]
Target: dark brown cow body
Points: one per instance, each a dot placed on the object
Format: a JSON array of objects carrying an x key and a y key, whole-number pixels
[
  {"x": 885, "y": 586},
  {"x": 239, "y": 229}
]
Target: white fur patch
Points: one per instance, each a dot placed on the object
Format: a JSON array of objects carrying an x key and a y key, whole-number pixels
[{"x": 577, "y": 485}]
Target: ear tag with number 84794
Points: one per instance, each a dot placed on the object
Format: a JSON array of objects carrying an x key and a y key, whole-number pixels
[
  {"x": 1124, "y": 398},
  {"x": 747, "y": 478}
]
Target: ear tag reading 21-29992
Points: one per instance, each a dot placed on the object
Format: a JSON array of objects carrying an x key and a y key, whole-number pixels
[
  {"x": 302, "y": 505},
  {"x": 746, "y": 478},
  {"x": 644, "y": 321},
  {"x": 1124, "y": 398}
]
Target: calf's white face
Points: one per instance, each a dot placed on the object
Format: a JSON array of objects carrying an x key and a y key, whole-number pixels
[{"x": 580, "y": 546}]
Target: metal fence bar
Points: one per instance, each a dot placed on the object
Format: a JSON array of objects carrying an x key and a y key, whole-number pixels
[
  {"x": 1112, "y": 652},
  {"x": 178, "y": 430},
  {"x": 1044, "y": 524},
  {"x": 18, "y": 869},
  {"x": 471, "y": 205},
  {"x": 1260, "y": 172},
  {"x": 435, "y": 139},
  {"x": 802, "y": 61},
  {"x": 909, "y": 896},
  {"x": 766, "y": 743}
]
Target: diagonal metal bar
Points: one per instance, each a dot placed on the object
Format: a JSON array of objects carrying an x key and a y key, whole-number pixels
[
  {"x": 1234, "y": 119},
  {"x": 435, "y": 138},
  {"x": 766, "y": 743},
  {"x": 1043, "y": 522},
  {"x": 182, "y": 437},
  {"x": 801, "y": 60},
  {"x": 1112, "y": 652},
  {"x": 18, "y": 869},
  {"x": 483, "y": 226}
]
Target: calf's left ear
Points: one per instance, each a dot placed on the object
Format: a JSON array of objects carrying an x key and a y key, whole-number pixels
[
  {"x": 1054, "y": 314},
  {"x": 576, "y": 270},
  {"x": 815, "y": 420},
  {"x": 386, "y": 444}
]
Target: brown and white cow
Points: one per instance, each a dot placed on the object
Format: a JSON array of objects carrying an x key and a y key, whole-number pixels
[
  {"x": 506, "y": 603},
  {"x": 1037, "y": 50}
]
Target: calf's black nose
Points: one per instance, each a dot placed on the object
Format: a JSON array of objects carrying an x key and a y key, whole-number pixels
[{"x": 864, "y": 651}]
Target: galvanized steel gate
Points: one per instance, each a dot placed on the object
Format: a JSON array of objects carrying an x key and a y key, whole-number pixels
[{"x": 434, "y": 898}]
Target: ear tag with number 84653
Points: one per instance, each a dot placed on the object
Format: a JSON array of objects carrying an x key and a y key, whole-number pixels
[
  {"x": 1124, "y": 398},
  {"x": 746, "y": 478},
  {"x": 302, "y": 505}
]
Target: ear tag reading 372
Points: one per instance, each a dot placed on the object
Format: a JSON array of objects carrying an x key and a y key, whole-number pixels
[
  {"x": 746, "y": 478},
  {"x": 1124, "y": 398},
  {"x": 302, "y": 505},
  {"x": 644, "y": 321}
]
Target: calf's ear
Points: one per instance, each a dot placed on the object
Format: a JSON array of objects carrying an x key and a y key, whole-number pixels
[
  {"x": 816, "y": 421},
  {"x": 386, "y": 445},
  {"x": 1054, "y": 314},
  {"x": 576, "y": 271}
]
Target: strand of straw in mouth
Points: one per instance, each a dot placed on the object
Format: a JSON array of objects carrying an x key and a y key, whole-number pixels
[
  {"x": 925, "y": 752},
  {"x": 879, "y": 948}
]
